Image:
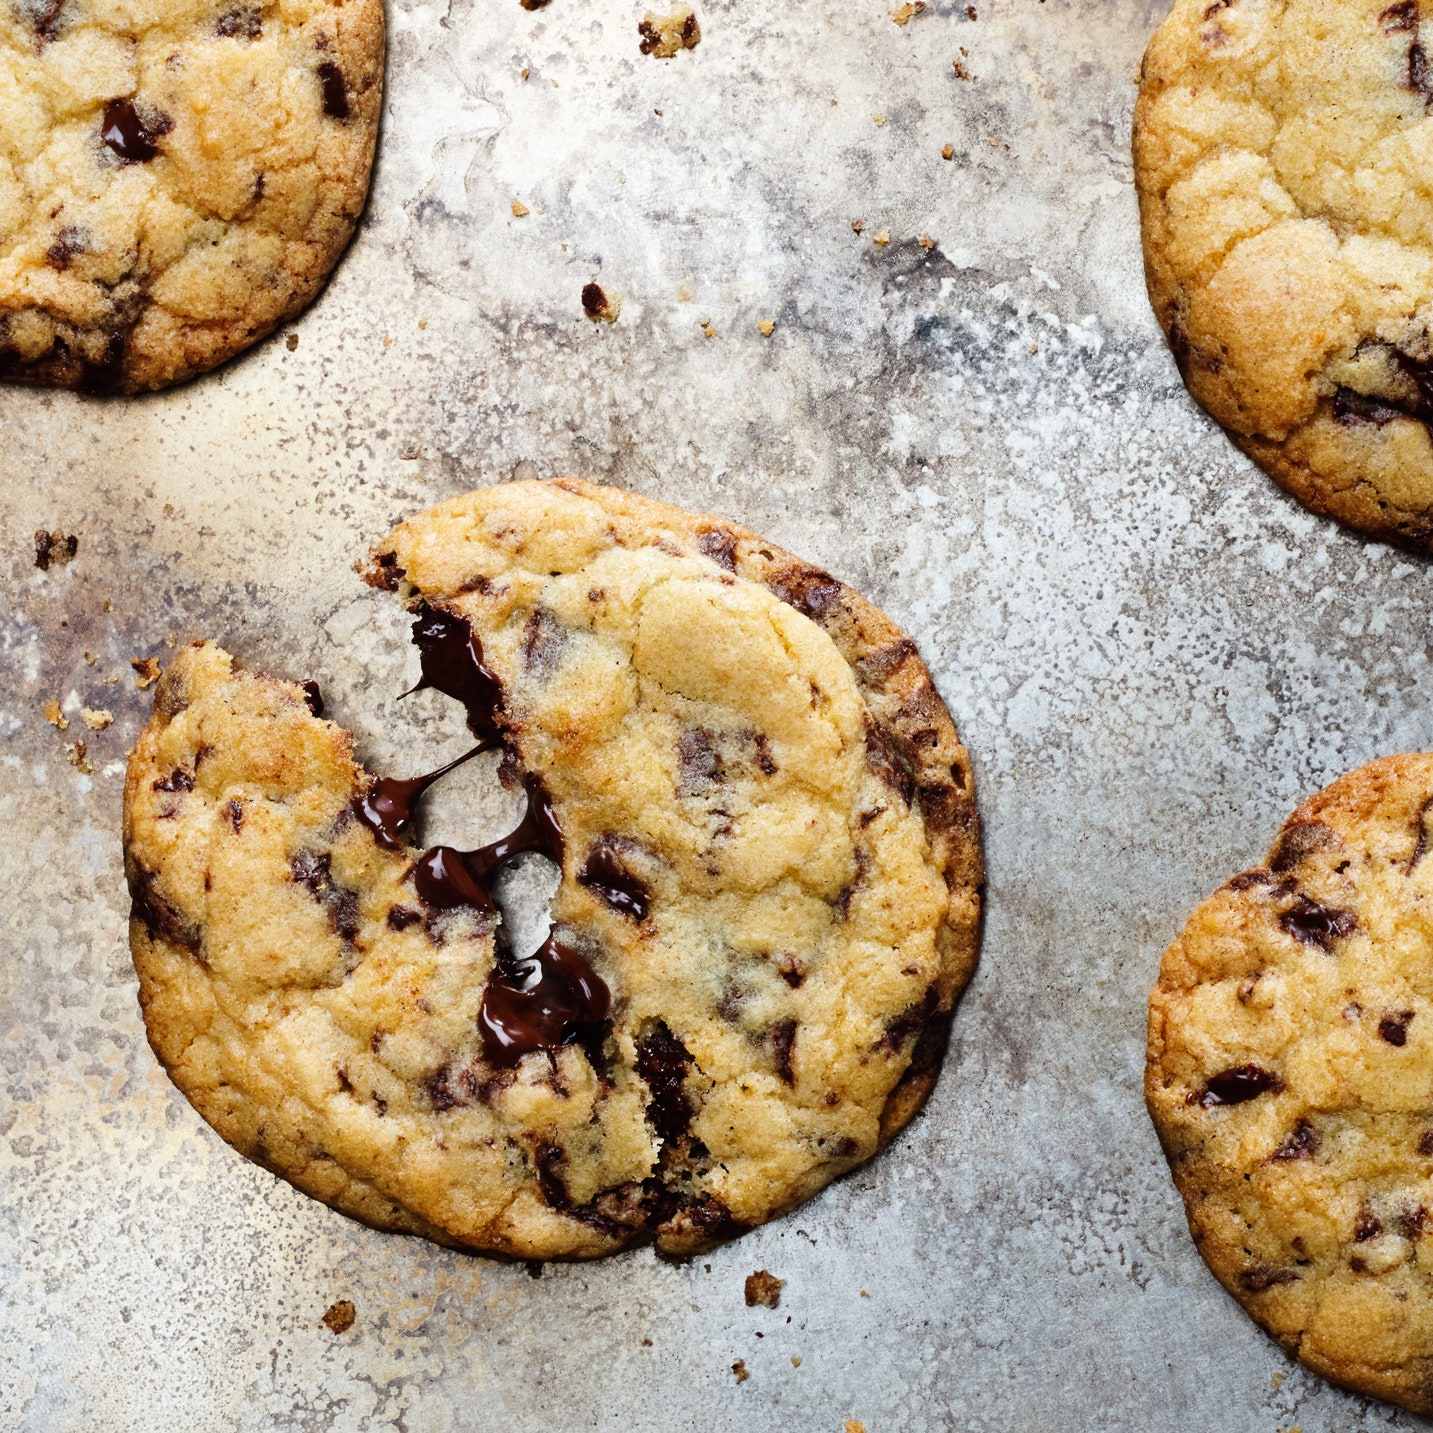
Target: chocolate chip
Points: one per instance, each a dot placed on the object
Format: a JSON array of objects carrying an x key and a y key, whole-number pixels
[
  {"x": 1245, "y": 879},
  {"x": 242, "y": 22},
  {"x": 234, "y": 810},
  {"x": 159, "y": 915},
  {"x": 177, "y": 780},
  {"x": 126, "y": 134},
  {"x": 390, "y": 803},
  {"x": 45, "y": 18},
  {"x": 104, "y": 374},
  {"x": 783, "y": 1043},
  {"x": 1367, "y": 1226},
  {"x": 1420, "y": 844},
  {"x": 1317, "y": 925},
  {"x": 765, "y": 762},
  {"x": 884, "y": 761},
  {"x": 698, "y": 760},
  {"x": 543, "y": 640},
  {"x": 1265, "y": 1276},
  {"x": 335, "y": 90},
  {"x": 1236, "y": 1086},
  {"x": 910, "y": 1021},
  {"x": 69, "y": 241},
  {"x": 1394, "y": 1028},
  {"x": 1425, "y": 1143},
  {"x": 809, "y": 590},
  {"x": 663, "y": 1063},
  {"x": 1302, "y": 1142},
  {"x": 606, "y": 875},
  {"x": 1297, "y": 841},
  {"x": 719, "y": 546},
  {"x": 1402, "y": 16},
  {"x": 401, "y": 917}
]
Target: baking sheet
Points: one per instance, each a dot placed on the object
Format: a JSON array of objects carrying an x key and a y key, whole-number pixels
[{"x": 1151, "y": 652}]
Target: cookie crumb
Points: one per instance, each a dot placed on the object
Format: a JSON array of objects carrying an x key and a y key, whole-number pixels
[
  {"x": 599, "y": 305},
  {"x": 1276, "y": 1382},
  {"x": 908, "y": 12},
  {"x": 54, "y": 547},
  {"x": 107, "y": 605},
  {"x": 763, "y": 1288},
  {"x": 864, "y": 1294},
  {"x": 927, "y": 242},
  {"x": 948, "y": 152},
  {"x": 146, "y": 672},
  {"x": 532, "y": 4},
  {"x": 75, "y": 755},
  {"x": 90, "y": 659},
  {"x": 739, "y": 1368},
  {"x": 854, "y": 1426},
  {"x": 796, "y": 1360},
  {"x": 663, "y": 35},
  {"x": 857, "y": 225},
  {"x": 970, "y": 12},
  {"x": 520, "y": 210},
  {"x": 340, "y": 1316},
  {"x": 96, "y": 720},
  {"x": 291, "y": 342},
  {"x": 646, "y": 1343},
  {"x": 55, "y": 716},
  {"x": 883, "y": 238},
  {"x": 878, "y": 119},
  {"x": 526, "y": 72},
  {"x": 765, "y": 326},
  {"x": 961, "y": 73},
  {"x": 684, "y": 294}
]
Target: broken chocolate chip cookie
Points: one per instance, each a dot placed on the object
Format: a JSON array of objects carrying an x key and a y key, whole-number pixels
[
  {"x": 1290, "y": 1077},
  {"x": 769, "y": 895}
]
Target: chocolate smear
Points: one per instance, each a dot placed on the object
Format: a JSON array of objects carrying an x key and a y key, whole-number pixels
[
  {"x": 552, "y": 997},
  {"x": 388, "y": 807}
]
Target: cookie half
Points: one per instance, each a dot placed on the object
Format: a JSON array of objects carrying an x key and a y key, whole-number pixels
[
  {"x": 176, "y": 181},
  {"x": 1290, "y": 1077},
  {"x": 1281, "y": 155},
  {"x": 769, "y": 900}
]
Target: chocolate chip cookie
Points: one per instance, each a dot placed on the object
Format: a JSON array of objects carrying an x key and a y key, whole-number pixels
[
  {"x": 1286, "y": 196},
  {"x": 770, "y": 882},
  {"x": 1290, "y": 1077},
  {"x": 174, "y": 182}
]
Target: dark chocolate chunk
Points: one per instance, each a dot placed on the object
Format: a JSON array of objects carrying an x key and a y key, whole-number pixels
[
  {"x": 1420, "y": 845},
  {"x": 1425, "y": 1143},
  {"x": 241, "y": 22},
  {"x": 444, "y": 882},
  {"x": 1317, "y": 925},
  {"x": 1302, "y": 1142},
  {"x": 401, "y": 917},
  {"x": 104, "y": 374},
  {"x": 1400, "y": 17},
  {"x": 910, "y": 1022},
  {"x": 543, "y": 640},
  {"x": 1419, "y": 79},
  {"x": 313, "y": 697},
  {"x": 809, "y": 590},
  {"x": 451, "y": 657},
  {"x": 884, "y": 761},
  {"x": 783, "y": 1043},
  {"x": 1236, "y": 1086},
  {"x": 159, "y": 915},
  {"x": 1298, "y": 840},
  {"x": 551, "y": 998},
  {"x": 698, "y": 759},
  {"x": 313, "y": 870},
  {"x": 1367, "y": 1226},
  {"x": 69, "y": 241},
  {"x": 45, "y": 18},
  {"x": 1245, "y": 879},
  {"x": 1265, "y": 1276},
  {"x": 663, "y": 1062},
  {"x": 177, "y": 780},
  {"x": 719, "y": 546},
  {"x": 1350, "y": 407},
  {"x": 604, "y": 873},
  {"x": 1394, "y": 1028},
  {"x": 335, "y": 90},
  {"x": 126, "y": 134}
]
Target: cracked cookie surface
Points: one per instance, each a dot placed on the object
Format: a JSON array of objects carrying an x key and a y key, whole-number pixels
[
  {"x": 769, "y": 856},
  {"x": 1282, "y": 158},
  {"x": 175, "y": 180},
  {"x": 1290, "y": 1077}
]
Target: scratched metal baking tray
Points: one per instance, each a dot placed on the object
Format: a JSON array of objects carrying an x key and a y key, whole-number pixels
[{"x": 1151, "y": 652}]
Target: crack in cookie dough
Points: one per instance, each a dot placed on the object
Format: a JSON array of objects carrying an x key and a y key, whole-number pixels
[
  {"x": 174, "y": 183},
  {"x": 769, "y": 896},
  {"x": 1290, "y": 1048},
  {"x": 1282, "y": 157}
]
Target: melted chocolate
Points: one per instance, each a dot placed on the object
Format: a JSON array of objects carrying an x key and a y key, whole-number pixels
[
  {"x": 452, "y": 660},
  {"x": 443, "y": 881},
  {"x": 335, "y": 90},
  {"x": 1314, "y": 924},
  {"x": 551, "y": 998},
  {"x": 537, "y": 831},
  {"x": 1237, "y": 1086},
  {"x": 663, "y": 1062},
  {"x": 388, "y": 807},
  {"x": 604, "y": 873},
  {"x": 313, "y": 697},
  {"x": 126, "y": 133}
]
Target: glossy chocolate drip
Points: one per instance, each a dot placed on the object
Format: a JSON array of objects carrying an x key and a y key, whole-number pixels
[
  {"x": 452, "y": 660},
  {"x": 388, "y": 807},
  {"x": 604, "y": 873},
  {"x": 537, "y": 831},
  {"x": 444, "y": 882},
  {"x": 551, "y": 998}
]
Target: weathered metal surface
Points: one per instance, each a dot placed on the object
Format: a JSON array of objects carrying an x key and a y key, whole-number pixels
[{"x": 1151, "y": 652}]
